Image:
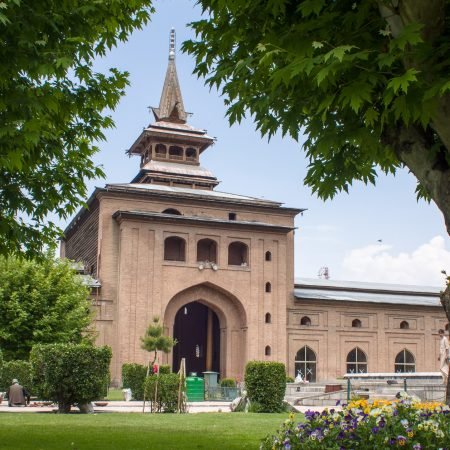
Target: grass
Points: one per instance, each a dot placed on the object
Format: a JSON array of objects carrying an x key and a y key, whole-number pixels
[{"x": 123, "y": 431}]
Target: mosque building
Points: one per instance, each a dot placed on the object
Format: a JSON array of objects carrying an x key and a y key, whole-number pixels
[{"x": 218, "y": 269}]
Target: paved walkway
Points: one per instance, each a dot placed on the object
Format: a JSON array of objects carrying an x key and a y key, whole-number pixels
[{"x": 136, "y": 407}]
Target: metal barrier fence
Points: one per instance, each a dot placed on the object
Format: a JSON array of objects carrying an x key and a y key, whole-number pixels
[
  {"x": 219, "y": 393},
  {"x": 426, "y": 392}
]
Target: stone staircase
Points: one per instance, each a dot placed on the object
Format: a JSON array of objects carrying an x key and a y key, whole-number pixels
[{"x": 426, "y": 386}]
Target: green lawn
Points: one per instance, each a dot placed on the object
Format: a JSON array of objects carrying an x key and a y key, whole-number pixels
[{"x": 133, "y": 431}]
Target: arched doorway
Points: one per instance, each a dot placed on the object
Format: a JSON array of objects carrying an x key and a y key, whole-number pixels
[
  {"x": 231, "y": 324},
  {"x": 197, "y": 332}
]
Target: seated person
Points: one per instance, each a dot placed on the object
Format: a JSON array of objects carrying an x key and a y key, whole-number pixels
[{"x": 17, "y": 394}]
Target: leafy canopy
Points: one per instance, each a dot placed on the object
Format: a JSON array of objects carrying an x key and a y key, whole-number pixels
[
  {"x": 155, "y": 340},
  {"x": 366, "y": 82},
  {"x": 51, "y": 108},
  {"x": 41, "y": 302}
]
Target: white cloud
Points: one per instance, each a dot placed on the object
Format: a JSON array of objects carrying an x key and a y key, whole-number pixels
[{"x": 379, "y": 263}]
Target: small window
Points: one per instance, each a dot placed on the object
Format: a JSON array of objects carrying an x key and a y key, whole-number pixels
[
  {"x": 175, "y": 249},
  {"x": 173, "y": 211},
  {"x": 356, "y": 361},
  {"x": 306, "y": 364},
  {"x": 231, "y": 216},
  {"x": 267, "y": 350},
  {"x": 268, "y": 287},
  {"x": 175, "y": 152},
  {"x": 446, "y": 327},
  {"x": 237, "y": 254},
  {"x": 207, "y": 250},
  {"x": 161, "y": 150},
  {"x": 305, "y": 320},
  {"x": 356, "y": 323},
  {"x": 405, "y": 362},
  {"x": 191, "y": 154},
  {"x": 268, "y": 318},
  {"x": 268, "y": 256},
  {"x": 404, "y": 325}
]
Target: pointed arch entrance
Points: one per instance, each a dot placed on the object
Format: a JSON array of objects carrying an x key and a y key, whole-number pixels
[
  {"x": 223, "y": 335},
  {"x": 197, "y": 332}
]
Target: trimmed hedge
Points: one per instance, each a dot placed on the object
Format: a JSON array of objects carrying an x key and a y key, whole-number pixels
[
  {"x": 1, "y": 363},
  {"x": 228, "y": 382},
  {"x": 17, "y": 369},
  {"x": 167, "y": 393},
  {"x": 70, "y": 373},
  {"x": 133, "y": 377},
  {"x": 265, "y": 382}
]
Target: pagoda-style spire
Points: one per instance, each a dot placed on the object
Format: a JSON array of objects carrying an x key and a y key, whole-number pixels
[{"x": 171, "y": 108}]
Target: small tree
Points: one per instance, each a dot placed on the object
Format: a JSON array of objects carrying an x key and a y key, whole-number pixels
[
  {"x": 41, "y": 302},
  {"x": 154, "y": 340},
  {"x": 70, "y": 373}
]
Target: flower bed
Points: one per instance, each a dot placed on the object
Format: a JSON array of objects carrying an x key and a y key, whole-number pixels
[{"x": 405, "y": 423}]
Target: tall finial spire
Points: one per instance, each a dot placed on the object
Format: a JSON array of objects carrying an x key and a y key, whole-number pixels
[
  {"x": 172, "y": 44},
  {"x": 171, "y": 108}
]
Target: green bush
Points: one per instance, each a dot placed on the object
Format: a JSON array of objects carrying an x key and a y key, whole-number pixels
[
  {"x": 289, "y": 379},
  {"x": 164, "y": 369},
  {"x": 162, "y": 392},
  {"x": 16, "y": 369},
  {"x": 70, "y": 373},
  {"x": 228, "y": 382},
  {"x": 266, "y": 384},
  {"x": 1, "y": 363},
  {"x": 133, "y": 377}
]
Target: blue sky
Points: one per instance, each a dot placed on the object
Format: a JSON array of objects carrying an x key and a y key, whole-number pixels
[{"x": 342, "y": 234}]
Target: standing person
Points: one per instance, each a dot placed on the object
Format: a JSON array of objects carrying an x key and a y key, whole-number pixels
[
  {"x": 17, "y": 395},
  {"x": 443, "y": 355}
]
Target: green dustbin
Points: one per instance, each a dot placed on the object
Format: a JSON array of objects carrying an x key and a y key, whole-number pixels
[{"x": 195, "y": 389}]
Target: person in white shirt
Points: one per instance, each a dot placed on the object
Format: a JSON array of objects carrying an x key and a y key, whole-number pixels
[{"x": 443, "y": 355}]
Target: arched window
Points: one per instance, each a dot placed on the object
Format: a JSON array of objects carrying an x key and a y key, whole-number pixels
[
  {"x": 305, "y": 320},
  {"x": 446, "y": 327},
  {"x": 404, "y": 325},
  {"x": 191, "y": 154},
  {"x": 237, "y": 254},
  {"x": 175, "y": 152},
  {"x": 268, "y": 256},
  {"x": 356, "y": 323},
  {"x": 173, "y": 211},
  {"x": 405, "y": 362},
  {"x": 207, "y": 250},
  {"x": 174, "y": 249},
  {"x": 160, "y": 150},
  {"x": 306, "y": 364},
  {"x": 267, "y": 350},
  {"x": 356, "y": 361},
  {"x": 268, "y": 318},
  {"x": 268, "y": 287}
]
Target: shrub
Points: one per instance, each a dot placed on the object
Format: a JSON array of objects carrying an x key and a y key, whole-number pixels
[
  {"x": 228, "y": 382},
  {"x": 162, "y": 392},
  {"x": 70, "y": 373},
  {"x": 164, "y": 369},
  {"x": 370, "y": 425},
  {"x": 1, "y": 363},
  {"x": 289, "y": 379},
  {"x": 133, "y": 377},
  {"x": 17, "y": 369},
  {"x": 265, "y": 382}
]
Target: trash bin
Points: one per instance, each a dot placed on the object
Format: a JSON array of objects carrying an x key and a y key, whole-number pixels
[{"x": 195, "y": 389}]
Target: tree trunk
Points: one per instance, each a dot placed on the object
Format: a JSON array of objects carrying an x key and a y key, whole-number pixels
[
  {"x": 63, "y": 407},
  {"x": 445, "y": 300}
]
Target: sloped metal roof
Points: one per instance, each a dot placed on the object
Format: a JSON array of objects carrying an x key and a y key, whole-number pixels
[
  {"x": 192, "y": 192},
  {"x": 364, "y": 292}
]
